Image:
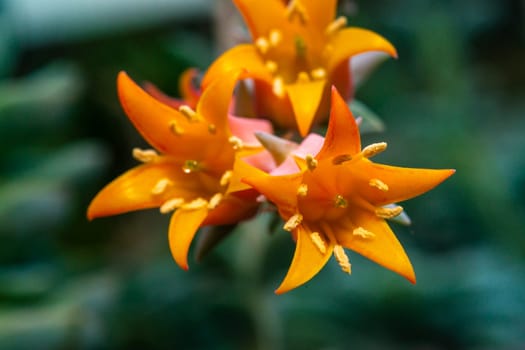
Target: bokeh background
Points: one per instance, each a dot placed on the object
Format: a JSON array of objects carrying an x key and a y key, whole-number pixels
[{"x": 455, "y": 98}]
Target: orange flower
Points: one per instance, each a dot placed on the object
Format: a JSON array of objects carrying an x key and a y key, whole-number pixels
[
  {"x": 189, "y": 170},
  {"x": 340, "y": 198},
  {"x": 298, "y": 51}
]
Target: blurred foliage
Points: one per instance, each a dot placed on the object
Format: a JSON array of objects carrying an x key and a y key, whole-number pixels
[{"x": 454, "y": 98}]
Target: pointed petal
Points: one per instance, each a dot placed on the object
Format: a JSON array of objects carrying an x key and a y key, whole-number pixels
[
  {"x": 188, "y": 87},
  {"x": 342, "y": 136},
  {"x": 183, "y": 227},
  {"x": 261, "y": 16},
  {"x": 281, "y": 190},
  {"x": 245, "y": 128},
  {"x": 352, "y": 41},
  {"x": 383, "y": 248},
  {"x": 133, "y": 190},
  {"x": 403, "y": 183},
  {"x": 243, "y": 56},
  {"x": 305, "y": 99},
  {"x": 307, "y": 261},
  {"x": 151, "y": 117},
  {"x": 320, "y": 13},
  {"x": 154, "y": 91},
  {"x": 214, "y": 103}
]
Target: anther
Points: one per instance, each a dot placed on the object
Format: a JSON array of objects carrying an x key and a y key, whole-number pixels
[
  {"x": 278, "y": 86},
  {"x": 294, "y": 221},
  {"x": 363, "y": 233},
  {"x": 190, "y": 166},
  {"x": 189, "y": 113},
  {"x": 215, "y": 200},
  {"x": 212, "y": 129},
  {"x": 340, "y": 159},
  {"x": 144, "y": 155},
  {"x": 226, "y": 177},
  {"x": 336, "y": 25},
  {"x": 311, "y": 162},
  {"x": 340, "y": 201},
  {"x": 271, "y": 66},
  {"x": 389, "y": 212},
  {"x": 302, "y": 190},
  {"x": 303, "y": 77},
  {"x": 236, "y": 143},
  {"x": 262, "y": 44},
  {"x": 198, "y": 203},
  {"x": 318, "y": 242},
  {"x": 380, "y": 185},
  {"x": 318, "y": 73},
  {"x": 373, "y": 149},
  {"x": 161, "y": 186},
  {"x": 175, "y": 128},
  {"x": 296, "y": 9},
  {"x": 171, "y": 205},
  {"x": 275, "y": 37},
  {"x": 342, "y": 259}
]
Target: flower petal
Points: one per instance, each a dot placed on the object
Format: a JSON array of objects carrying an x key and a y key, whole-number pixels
[
  {"x": 233, "y": 209},
  {"x": 307, "y": 261},
  {"x": 352, "y": 41},
  {"x": 245, "y": 128},
  {"x": 261, "y": 16},
  {"x": 243, "y": 56},
  {"x": 151, "y": 117},
  {"x": 320, "y": 13},
  {"x": 305, "y": 99},
  {"x": 403, "y": 183},
  {"x": 184, "y": 224},
  {"x": 133, "y": 189},
  {"x": 190, "y": 94},
  {"x": 383, "y": 248},
  {"x": 342, "y": 136}
]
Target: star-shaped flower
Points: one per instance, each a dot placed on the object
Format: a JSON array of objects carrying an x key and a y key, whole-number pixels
[
  {"x": 299, "y": 49},
  {"x": 189, "y": 170},
  {"x": 339, "y": 199}
]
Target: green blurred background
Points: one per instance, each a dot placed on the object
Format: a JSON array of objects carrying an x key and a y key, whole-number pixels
[{"x": 455, "y": 98}]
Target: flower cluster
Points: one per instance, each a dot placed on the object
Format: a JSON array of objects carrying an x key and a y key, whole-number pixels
[{"x": 211, "y": 167}]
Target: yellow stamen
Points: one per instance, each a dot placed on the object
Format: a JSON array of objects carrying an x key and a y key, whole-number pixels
[
  {"x": 294, "y": 221},
  {"x": 373, "y": 149},
  {"x": 271, "y": 66},
  {"x": 212, "y": 129},
  {"x": 361, "y": 232},
  {"x": 226, "y": 177},
  {"x": 296, "y": 9},
  {"x": 318, "y": 242},
  {"x": 190, "y": 166},
  {"x": 278, "y": 86},
  {"x": 380, "y": 185},
  {"x": 389, "y": 213},
  {"x": 311, "y": 162},
  {"x": 175, "y": 128},
  {"x": 342, "y": 259},
  {"x": 195, "y": 204},
  {"x": 144, "y": 155},
  {"x": 318, "y": 73},
  {"x": 262, "y": 44},
  {"x": 302, "y": 190},
  {"x": 340, "y": 201},
  {"x": 303, "y": 77},
  {"x": 275, "y": 37},
  {"x": 161, "y": 186},
  {"x": 236, "y": 142},
  {"x": 171, "y": 205},
  {"x": 215, "y": 200},
  {"x": 336, "y": 25},
  {"x": 189, "y": 113},
  {"x": 340, "y": 159}
]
